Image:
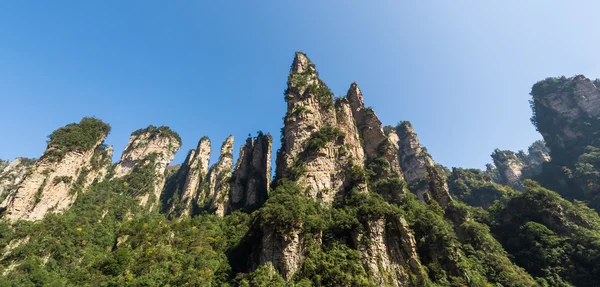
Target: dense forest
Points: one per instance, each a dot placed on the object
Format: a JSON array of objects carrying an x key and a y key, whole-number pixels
[{"x": 352, "y": 203}]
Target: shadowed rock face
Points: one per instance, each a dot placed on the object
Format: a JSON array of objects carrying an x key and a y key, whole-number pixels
[
  {"x": 417, "y": 165},
  {"x": 52, "y": 185},
  {"x": 252, "y": 175},
  {"x": 562, "y": 107},
  {"x": 156, "y": 146}
]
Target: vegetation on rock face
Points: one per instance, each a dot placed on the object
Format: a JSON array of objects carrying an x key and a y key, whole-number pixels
[
  {"x": 323, "y": 136},
  {"x": 490, "y": 235},
  {"x": 75, "y": 137},
  {"x": 475, "y": 187},
  {"x": 554, "y": 240},
  {"x": 154, "y": 132}
]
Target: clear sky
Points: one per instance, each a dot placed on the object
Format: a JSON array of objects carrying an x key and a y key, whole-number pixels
[{"x": 460, "y": 71}]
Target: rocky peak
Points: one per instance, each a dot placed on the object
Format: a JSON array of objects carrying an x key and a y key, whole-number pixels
[
  {"x": 311, "y": 138},
  {"x": 183, "y": 196},
  {"x": 376, "y": 143},
  {"x": 355, "y": 98},
  {"x": 219, "y": 177},
  {"x": 252, "y": 174},
  {"x": 154, "y": 147},
  {"x": 61, "y": 172},
  {"x": 302, "y": 64},
  {"x": 565, "y": 112},
  {"x": 514, "y": 167},
  {"x": 418, "y": 167}
]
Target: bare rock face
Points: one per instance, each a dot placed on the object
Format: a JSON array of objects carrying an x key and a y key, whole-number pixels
[
  {"x": 514, "y": 167},
  {"x": 561, "y": 107},
  {"x": 198, "y": 170},
  {"x": 284, "y": 252},
  {"x": 347, "y": 124},
  {"x": 320, "y": 142},
  {"x": 509, "y": 165},
  {"x": 252, "y": 175},
  {"x": 417, "y": 165},
  {"x": 216, "y": 196},
  {"x": 390, "y": 252},
  {"x": 189, "y": 180},
  {"x": 11, "y": 174},
  {"x": 62, "y": 171},
  {"x": 376, "y": 143},
  {"x": 100, "y": 166},
  {"x": 313, "y": 149},
  {"x": 150, "y": 146}
]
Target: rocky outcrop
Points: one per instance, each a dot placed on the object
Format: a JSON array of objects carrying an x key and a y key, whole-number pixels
[
  {"x": 152, "y": 146},
  {"x": 216, "y": 196},
  {"x": 417, "y": 165},
  {"x": 196, "y": 176},
  {"x": 389, "y": 252},
  {"x": 347, "y": 124},
  {"x": 509, "y": 165},
  {"x": 252, "y": 174},
  {"x": 313, "y": 149},
  {"x": 100, "y": 166},
  {"x": 375, "y": 142},
  {"x": 182, "y": 194},
  {"x": 320, "y": 143},
  {"x": 563, "y": 109},
  {"x": 11, "y": 174},
  {"x": 513, "y": 167},
  {"x": 285, "y": 252},
  {"x": 62, "y": 171}
]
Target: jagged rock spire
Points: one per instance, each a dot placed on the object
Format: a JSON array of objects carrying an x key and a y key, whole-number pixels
[
  {"x": 184, "y": 191},
  {"x": 154, "y": 146},
  {"x": 376, "y": 143},
  {"x": 252, "y": 175},
  {"x": 310, "y": 117},
  {"x": 419, "y": 167},
  {"x": 219, "y": 176}
]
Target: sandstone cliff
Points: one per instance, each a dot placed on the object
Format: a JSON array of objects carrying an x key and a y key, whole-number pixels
[
  {"x": 419, "y": 168},
  {"x": 315, "y": 151},
  {"x": 389, "y": 252},
  {"x": 513, "y": 167},
  {"x": 564, "y": 112},
  {"x": 252, "y": 175},
  {"x": 216, "y": 196},
  {"x": 11, "y": 174},
  {"x": 74, "y": 154},
  {"x": 375, "y": 142},
  {"x": 152, "y": 148},
  {"x": 181, "y": 195}
]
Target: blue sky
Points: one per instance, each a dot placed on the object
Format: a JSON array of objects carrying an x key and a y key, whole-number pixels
[{"x": 460, "y": 71}]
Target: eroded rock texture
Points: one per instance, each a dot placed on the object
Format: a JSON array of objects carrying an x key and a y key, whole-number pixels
[
  {"x": 252, "y": 174},
  {"x": 154, "y": 147},
  {"x": 418, "y": 166},
  {"x": 52, "y": 184}
]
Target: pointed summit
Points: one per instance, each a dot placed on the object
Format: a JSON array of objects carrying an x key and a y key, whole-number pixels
[
  {"x": 355, "y": 97},
  {"x": 219, "y": 176},
  {"x": 302, "y": 64}
]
